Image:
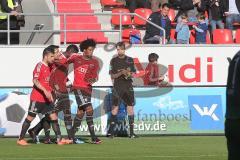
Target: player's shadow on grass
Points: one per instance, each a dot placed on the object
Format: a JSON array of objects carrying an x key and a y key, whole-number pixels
[{"x": 53, "y": 140}]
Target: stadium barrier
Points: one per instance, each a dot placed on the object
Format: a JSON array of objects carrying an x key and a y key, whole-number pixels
[
  {"x": 193, "y": 103},
  {"x": 65, "y": 30}
]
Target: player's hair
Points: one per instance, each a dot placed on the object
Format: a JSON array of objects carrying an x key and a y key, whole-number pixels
[
  {"x": 87, "y": 43},
  {"x": 53, "y": 46},
  {"x": 152, "y": 57},
  {"x": 201, "y": 16},
  {"x": 121, "y": 45},
  {"x": 72, "y": 48},
  {"x": 166, "y": 5},
  {"x": 47, "y": 51}
]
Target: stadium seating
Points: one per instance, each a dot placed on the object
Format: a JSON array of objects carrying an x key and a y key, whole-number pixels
[
  {"x": 172, "y": 15},
  {"x": 109, "y": 4},
  {"x": 192, "y": 39},
  {"x": 79, "y": 22},
  {"x": 143, "y": 12},
  {"x": 222, "y": 36},
  {"x": 237, "y": 36},
  {"x": 173, "y": 35},
  {"x": 126, "y": 19},
  {"x": 128, "y": 32}
]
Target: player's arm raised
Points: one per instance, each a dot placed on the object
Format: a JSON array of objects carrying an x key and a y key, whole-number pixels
[{"x": 60, "y": 59}]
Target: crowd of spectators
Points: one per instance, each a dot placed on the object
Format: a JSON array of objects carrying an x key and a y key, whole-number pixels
[{"x": 202, "y": 16}]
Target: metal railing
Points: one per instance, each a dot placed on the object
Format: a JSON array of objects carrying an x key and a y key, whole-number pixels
[{"x": 65, "y": 30}]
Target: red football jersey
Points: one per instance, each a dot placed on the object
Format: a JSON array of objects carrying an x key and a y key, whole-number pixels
[
  {"x": 84, "y": 70},
  {"x": 58, "y": 78},
  {"x": 59, "y": 75},
  {"x": 151, "y": 73},
  {"x": 42, "y": 74}
]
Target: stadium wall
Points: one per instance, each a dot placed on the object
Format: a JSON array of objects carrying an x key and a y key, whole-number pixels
[
  {"x": 194, "y": 103},
  {"x": 191, "y": 66}
]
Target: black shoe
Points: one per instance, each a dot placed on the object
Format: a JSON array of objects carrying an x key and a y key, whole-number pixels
[
  {"x": 47, "y": 141},
  {"x": 110, "y": 136},
  {"x": 96, "y": 141},
  {"x": 33, "y": 136},
  {"x": 133, "y": 136}
]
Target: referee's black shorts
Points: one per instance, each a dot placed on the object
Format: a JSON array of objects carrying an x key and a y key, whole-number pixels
[
  {"x": 40, "y": 107},
  {"x": 83, "y": 97},
  {"x": 123, "y": 93}
]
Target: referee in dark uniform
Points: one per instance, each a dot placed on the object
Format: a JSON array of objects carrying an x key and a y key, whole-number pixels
[
  {"x": 232, "y": 123},
  {"x": 121, "y": 69}
]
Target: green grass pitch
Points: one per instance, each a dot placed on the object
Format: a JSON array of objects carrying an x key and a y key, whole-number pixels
[{"x": 143, "y": 148}]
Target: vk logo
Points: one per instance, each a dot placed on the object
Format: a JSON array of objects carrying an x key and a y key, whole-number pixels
[{"x": 206, "y": 112}]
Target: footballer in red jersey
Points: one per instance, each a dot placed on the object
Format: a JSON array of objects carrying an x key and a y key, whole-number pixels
[
  {"x": 58, "y": 80},
  {"x": 41, "y": 99},
  {"x": 86, "y": 69},
  {"x": 60, "y": 83}
]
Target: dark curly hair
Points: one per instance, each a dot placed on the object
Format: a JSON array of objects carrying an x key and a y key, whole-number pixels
[{"x": 87, "y": 43}]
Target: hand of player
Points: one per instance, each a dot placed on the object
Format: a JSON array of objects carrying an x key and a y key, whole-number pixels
[
  {"x": 194, "y": 26},
  {"x": 124, "y": 72},
  {"x": 49, "y": 96},
  {"x": 69, "y": 86}
]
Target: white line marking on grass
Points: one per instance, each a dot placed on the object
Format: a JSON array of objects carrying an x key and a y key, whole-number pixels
[{"x": 114, "y": 157}]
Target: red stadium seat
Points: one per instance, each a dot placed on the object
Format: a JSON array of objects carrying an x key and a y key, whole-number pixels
[
  {"x": 222, "y": 36},
  {"x": 127, "y": 32},
  {"x": 171, "y": 14},
  {"x": 237, "y": 36},
  {"x": 143, "y": 12},
  {"x": 126, "y": 19},
  {"x": 173, "y": 34},
  {"x": 77, "y": 22},
  {"x": 111, "y": 4},
  {"x": 192, "y": 39}
]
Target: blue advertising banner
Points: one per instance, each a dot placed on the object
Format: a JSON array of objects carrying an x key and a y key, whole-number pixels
[
  {"x": 181, "y": 110},
  {"x": 206, "y": 112}
]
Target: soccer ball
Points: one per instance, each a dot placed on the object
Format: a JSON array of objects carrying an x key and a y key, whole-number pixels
[{"x": 13, "y": 110}]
